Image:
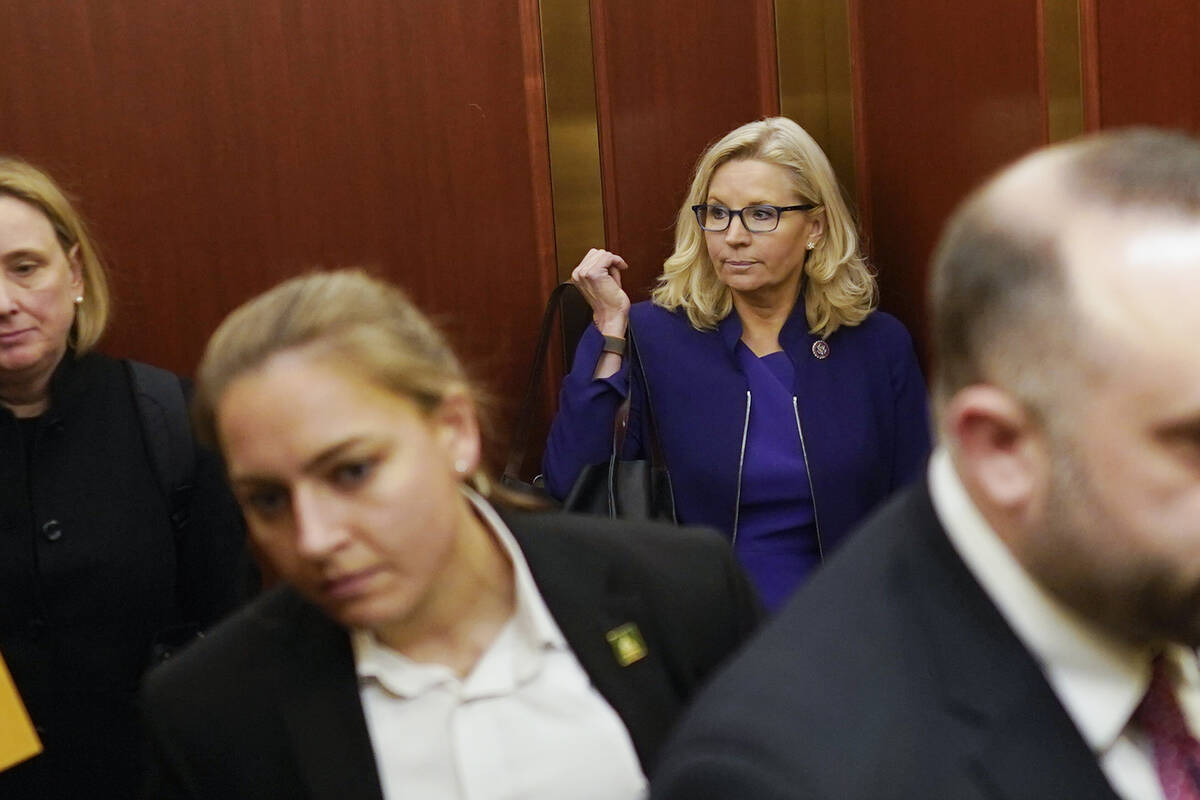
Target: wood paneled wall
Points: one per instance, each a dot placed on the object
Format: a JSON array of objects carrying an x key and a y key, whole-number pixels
[
  {"x": 946, "y": 93},
  {"x": 221, "y": 146},
  {"x": 671, "y": 78},
  {"x": 1145, "y": 62}
]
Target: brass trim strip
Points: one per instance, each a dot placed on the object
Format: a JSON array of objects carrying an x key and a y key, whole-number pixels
[
  {"x": 1061, "y": 57},
  {"x": 572, "y": 128},
  {"x": 815, "y": 89}
]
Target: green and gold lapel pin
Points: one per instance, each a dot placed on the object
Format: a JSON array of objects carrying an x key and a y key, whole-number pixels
[{"x": 627, "y": 643}]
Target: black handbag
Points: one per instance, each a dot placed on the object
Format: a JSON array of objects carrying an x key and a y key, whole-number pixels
[{"x": 630, "y": 489}]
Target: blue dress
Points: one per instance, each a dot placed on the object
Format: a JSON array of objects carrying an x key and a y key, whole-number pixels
[{"x": 776, "y": 533}]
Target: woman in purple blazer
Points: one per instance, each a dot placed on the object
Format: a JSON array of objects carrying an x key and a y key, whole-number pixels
[{"x": 786, "y": 406}]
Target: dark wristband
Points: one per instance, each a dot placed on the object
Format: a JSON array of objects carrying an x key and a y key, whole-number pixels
[{"x": 614, "y": 344}]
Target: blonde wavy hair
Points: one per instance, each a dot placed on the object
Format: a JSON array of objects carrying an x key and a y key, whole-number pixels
[
  {"x": 840, "y": 288},
  {"x": 368, "y": 327},
  {"x": 25, "y": 182}
]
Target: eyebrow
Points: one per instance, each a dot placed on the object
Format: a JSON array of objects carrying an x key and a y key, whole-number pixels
[
  {"x": 715, "y": 201},
  {"x": 322, "y": 459},
  {"x": 22, "y": 252},
  {"x": 315, "y": 464}
]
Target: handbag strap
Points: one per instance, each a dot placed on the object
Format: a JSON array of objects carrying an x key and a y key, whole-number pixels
[
  {"x": 520, "y": 439},
  {"x": 654, "y": 451}
]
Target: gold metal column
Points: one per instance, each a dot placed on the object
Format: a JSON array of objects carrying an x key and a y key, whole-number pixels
[
  {"x": 813, "y": 41},
  {"x": 1063, "y": 63},
  {"x": 573, "y": 136}
]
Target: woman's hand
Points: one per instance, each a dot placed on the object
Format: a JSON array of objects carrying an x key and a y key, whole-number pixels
[{"x": 598, "y": 278}]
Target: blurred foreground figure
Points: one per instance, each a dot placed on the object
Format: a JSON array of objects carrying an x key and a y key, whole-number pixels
[
  {"x": 1024, "y": 624},
  {"x": 427, "y": 643}
]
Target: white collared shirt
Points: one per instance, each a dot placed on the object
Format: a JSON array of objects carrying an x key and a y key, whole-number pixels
[
  {"x": 1099, "y": 680},
  {"x": 525, "y": 723}
]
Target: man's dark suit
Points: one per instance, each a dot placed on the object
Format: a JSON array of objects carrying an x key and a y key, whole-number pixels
[
  {"x": 268, "y": 706},
  {"x": 890, "y": 675}
]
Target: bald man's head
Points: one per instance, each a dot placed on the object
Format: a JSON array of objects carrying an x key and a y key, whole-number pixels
[
  {"x": 1002, "y": 302},
  {"x": 1066, "y": 300}
]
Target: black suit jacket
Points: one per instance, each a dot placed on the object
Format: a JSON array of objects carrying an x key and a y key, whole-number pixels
[
  {"x": 268, "y": 706},
  {"x": 890, "y": 675},
  {"x": 93, "y": 576}
]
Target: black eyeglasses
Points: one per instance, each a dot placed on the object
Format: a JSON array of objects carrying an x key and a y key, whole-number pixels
[{"x": 756, "y": 219}]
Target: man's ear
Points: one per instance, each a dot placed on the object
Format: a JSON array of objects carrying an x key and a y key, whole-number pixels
[
  {"x": 458, "y": 431},
  {"x": 999, "y": 451}
]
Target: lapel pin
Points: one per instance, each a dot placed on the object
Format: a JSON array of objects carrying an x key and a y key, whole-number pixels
[
  {"x": 627, "y": 643},
  {"x": 820, "y": 348}
]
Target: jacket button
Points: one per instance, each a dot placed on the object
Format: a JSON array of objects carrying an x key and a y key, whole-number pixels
[{"x": 52, "y": 530}]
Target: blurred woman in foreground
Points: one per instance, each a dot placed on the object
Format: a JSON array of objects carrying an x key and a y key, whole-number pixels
[{"x": 426, "y": 643}]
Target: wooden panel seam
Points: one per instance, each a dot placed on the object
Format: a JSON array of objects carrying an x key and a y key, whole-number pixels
[
  {"x": 1089, "y": 50},
  {"x": 862, "y": 177},
  {"x": 536, "y": 93}
]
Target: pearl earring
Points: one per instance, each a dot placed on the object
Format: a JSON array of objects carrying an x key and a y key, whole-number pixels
[
  {"x": 78, "y": 299},
  {"x": 460, "y": 466}
]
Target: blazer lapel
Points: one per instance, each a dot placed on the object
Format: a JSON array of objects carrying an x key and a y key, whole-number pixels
[
  {"x": 1016, "y": 738},
  {"x": 599, "y": 610},
  {"x": 323, "y": 713},
  {"x": 1031, "y": 749}
]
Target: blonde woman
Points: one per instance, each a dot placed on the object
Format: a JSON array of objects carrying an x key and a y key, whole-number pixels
[
  {"x": 99, "y": 565},
  {"x": 786, "y": 406},
  {"x": 428, "y": 642}
]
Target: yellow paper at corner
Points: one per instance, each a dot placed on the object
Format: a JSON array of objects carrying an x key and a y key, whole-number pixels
[{"x": 18, "y": 741}]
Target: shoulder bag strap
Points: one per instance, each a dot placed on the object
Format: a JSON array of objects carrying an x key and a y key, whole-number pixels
[
  {"x": 162, "y": 408},
  {"x": 654, "y": 447},
  {"x": 520, "y": 437}
]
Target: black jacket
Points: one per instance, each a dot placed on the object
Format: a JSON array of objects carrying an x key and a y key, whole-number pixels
[
  {"x": 92, "y": 575},
  {"x": 268, "y": 706},
  {"x": 889, "y": 676}
]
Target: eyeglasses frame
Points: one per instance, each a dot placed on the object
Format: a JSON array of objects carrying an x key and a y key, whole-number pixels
[{"x": 737, "y": 212}]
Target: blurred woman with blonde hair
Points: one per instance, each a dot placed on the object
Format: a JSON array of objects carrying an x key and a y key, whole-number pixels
[{"x": 428, "y": 640}]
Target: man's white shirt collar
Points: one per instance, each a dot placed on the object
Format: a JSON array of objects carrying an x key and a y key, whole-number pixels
[{"x": 1099, "y": 680}]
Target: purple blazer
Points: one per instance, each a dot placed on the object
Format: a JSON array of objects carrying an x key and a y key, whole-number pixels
[{"x": 862, "y": 412}]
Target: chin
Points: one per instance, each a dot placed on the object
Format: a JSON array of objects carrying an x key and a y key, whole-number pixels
[
  {"x": 347, "y": 613},
  {"x": 1186, "y": 629},
  {"x": 741, "y": 283},
  {"x": 18, "y": 362},
  {"x": 1158, "y": 617},
  {"x": 372, "y": 613}
]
